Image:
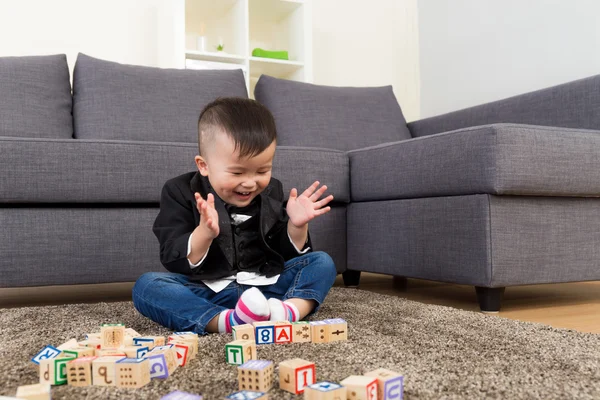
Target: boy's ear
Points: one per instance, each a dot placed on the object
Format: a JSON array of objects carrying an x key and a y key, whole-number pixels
[{"x": 202, "y": 166}]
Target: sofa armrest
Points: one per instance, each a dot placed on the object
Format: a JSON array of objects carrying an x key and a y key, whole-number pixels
[
  {"x": 571, "y": 105},
  {"x": 501, "y": 159}
]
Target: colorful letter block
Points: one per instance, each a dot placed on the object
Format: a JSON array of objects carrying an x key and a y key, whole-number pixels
[
  {"x": 149, "y": 341},
  {"x": 53, "y": 371},
  {"x": 79, "y": 352},
  {"x": 158, "y": 366},
  {"x": 79, "y": 371},
  {"x": 360, "y": 387},
  {"x": 256, "y": 375},
  {"x": 338, "y": 329},
  {"x": 132, "y": 373},
  {"x": 243, "y": 332},
  {"x": 240, "y": 351},
  {"x": 264, "y": 332},
  {"x": 324, "y": 391},
  {"x": 301, "y": 332},
  {"x": 390, "y": 384},
  {"x": 134, "y": 351},
  {"x": 39, "y": 391},
  {"x": 319, "y": 331},
  {"x": 177, "y": 395},
  {"x": 112, "y": 335},
  {"x": 295, "y": 374},
  {"x": 46, "y": 353},
  {"x": 170, "y": 356},
  {"x": 248, "y": 395},
  {"x": 104, "y": 370},
  {"x": 283, "y": 332}
]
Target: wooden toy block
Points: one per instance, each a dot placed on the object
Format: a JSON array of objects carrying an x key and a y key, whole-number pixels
[
  {"x": 109, "y": 352},
  {"x": 79, "y": 371},
  {"x": 295, "y": 374},
  {"x": 149, "y": 341},
  {"x": 113, "y": 336},
  {"x": 390, "y": 384},
  {"x": 264, "y": 332},
  {"x": 319, "y": 331},
  {"x": 158, "y": 366},
  {"x": 132, "y": 373},
  {"x": 170, "y": 356},
  {"x": 324, "y": 391},
  {"x": 182, "y": 352},
  {"x": 134, "y": 351},
  {"x": 177, "y": 395},
  {"x": 131, "y": 332},
  {"x": 283, "y": 332},
  {"x": 78, "y": 352},
  {"x": 243, "y": 332},
  {"x": 248, "y": 395},
  {"x": 53, "y": 371},
  {"x": 104, "y": 370},
  {"x": 39, "y": 391},
  {"x": 94, "y": 343},
  {"x": 359, "y": 387},
  {"x": 46, "y": 353},
  {"x": 301, "y": 332},
  {"x": 256, "y": 375},
  {"x": 240, "y": 351},
  {"x": 69, "y": 345},
  {"x": 338, "y": 330},
  {"x": 191, "y": 342},
  {"x": 95, "y": 335}
]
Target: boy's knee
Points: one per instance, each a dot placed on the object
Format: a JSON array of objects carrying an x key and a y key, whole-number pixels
[{"x": 325, "y": 263}]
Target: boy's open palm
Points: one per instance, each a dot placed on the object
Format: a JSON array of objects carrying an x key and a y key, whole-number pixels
[
  {"x": 301, "y": 209},
  {"x": 209, "y": 219}
]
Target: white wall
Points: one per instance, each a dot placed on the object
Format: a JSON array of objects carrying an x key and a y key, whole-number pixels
[{"x": 475, "y": 51}]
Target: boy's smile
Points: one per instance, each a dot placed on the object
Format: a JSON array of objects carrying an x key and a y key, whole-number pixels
[{"x": 237, "y": 181}]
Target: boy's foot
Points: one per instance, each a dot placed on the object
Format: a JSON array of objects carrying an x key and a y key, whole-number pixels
[
  {"x": 251, "y": 307},
  {"x": 283, "y": 310}
]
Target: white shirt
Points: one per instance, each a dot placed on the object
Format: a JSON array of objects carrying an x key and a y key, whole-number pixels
[{"x": 242, "y": 277}]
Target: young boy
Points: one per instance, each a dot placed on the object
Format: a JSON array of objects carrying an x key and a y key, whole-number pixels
[{"x": 236, "y": 254}]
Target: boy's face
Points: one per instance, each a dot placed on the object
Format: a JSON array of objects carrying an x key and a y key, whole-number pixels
[{"x": 236, "y": 181}]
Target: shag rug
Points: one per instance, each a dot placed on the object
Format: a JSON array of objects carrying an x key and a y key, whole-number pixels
[{"x": 442, "y": 352}]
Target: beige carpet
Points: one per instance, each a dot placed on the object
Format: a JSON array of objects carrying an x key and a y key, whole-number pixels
[{"x": 442, "y": 352}]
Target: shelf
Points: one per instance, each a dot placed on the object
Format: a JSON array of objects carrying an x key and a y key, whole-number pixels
[
  {"x": 215, "y": 56},
  {"x": 273, "y": 67}
]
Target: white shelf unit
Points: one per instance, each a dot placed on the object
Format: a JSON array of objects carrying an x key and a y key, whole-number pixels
[{"x": 241, "y": 26}]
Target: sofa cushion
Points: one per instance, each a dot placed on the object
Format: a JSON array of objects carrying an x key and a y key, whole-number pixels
[
  {"x": 118, "y": 171},
  {"x": 502, "y": 159},
  {"x": 128, "y": 102},
  {"x": 35, "y": 97},
  {"x": 342, "y": 118}
]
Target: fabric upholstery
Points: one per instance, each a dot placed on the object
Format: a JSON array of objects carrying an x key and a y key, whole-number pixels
[
  {"x": 502, "y": 159},
  {"x": 342, "y": 118},
  {"x": 127, "y": 102},
  {"x": 35, "y": 97}
]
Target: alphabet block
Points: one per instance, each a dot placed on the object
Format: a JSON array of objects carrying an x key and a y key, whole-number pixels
[
  {"x": 324, "y": 391},
  {"x": 132, "y": 373},
  {"x": 39, "y": 391},
  {"x": 94, "y": 343},
  {"x": 158, "y": 366},
  {"x": 295, "y": 374},
  {"x": 104, "y": 370},
  {"x": 301, "y": 332},
  {"x": 256, "y": 375},
  {"x": 390, "y": 384},
  {"x": 131, "y": 332},
  {"x": 240, "y": 351},
  {"x": 191, "y": 341},
  {"x": 264, "y": 332},
  {"x": 337, "y": 330},
  {"x": 134, "y": 351},
  {"x": 109, "y": 352},
  {"x": 283, "y": 332},
  {"x": 360, "y": 387},
  {"x": 243, "y": 332},
  {"x": 46, "y": 353},
  {"x": 79, "y": 371},
  {"x": 177, "y": 395},
  {"x": 319, "y": 331},
  {"x": 113, "y": 336},
  {"x": 69, "y": 345},
  {"x": 248, "y": 395},
  {"x": 53, "y": 371},
  {"x": 78, "y": 352},
  {"x": 170, "y": 356},
  {"x": 149, "y": 341}
]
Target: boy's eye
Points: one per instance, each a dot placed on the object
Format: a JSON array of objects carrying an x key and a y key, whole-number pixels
[
  {"x": 263, "y": 172},
  {"x": 236, "y": 173}
]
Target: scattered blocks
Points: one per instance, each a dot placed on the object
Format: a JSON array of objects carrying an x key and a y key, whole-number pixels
[
  {"x": 240, "y": 351},
  {"x": 104, "y": 370},
  {"x": 132, "y": 373},
  {"x": 149, "y": 341},
  {"x": 158, "y": 366},
  {"x": 170, "y": 356},
  {"x": 109, "y": 352},
  {"x": 53, "y": 371},
  {"x": 360, "y": 387},
  {"x": 256, "y": 375},
  {"x": 319, "y": 331},
  {"x": 177, "y": 395},
  {"x": 264, "y": 332},
  {"x": 324, "y": 391},
  {"x": 94, "y": 343},
  {"x": 78, "y": 352},
  {"x": 338, "y": 330},
  {"x": 244, "y": 332},
  {"x": 183, "y": 353},
  {"x": 112, "y": 335},
  {"x": 79, "y": 371},
  {"x": 46, "y": 353},
  {"x": 390, "y": 384},
  {"x": 248, "y": 395},
  {"x": 283, "y": 332},
  {"x": 69, "y": 345},
  {"x": 295, "y": 374},
  {"x": 134, "y": 351},
  {"x": 301, "y": 332},
  {"x": 39, "y": 391}
]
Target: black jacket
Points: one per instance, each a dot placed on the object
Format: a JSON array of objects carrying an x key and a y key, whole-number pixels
[{"x": 178, "y": 217}]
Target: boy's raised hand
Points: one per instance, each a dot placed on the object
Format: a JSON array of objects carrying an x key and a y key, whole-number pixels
[
  {"x": 209, "y": 219},
  {"x": 301, "y": 209}
]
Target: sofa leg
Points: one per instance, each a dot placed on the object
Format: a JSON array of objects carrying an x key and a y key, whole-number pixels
[
  {"x": 489, "y": 299},
  {"x": 351, "y": 278},
  {"x": 400, "y": 283}
]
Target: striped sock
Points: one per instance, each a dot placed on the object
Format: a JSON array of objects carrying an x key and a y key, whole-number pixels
[
  {"x": 283, "y": 310},
  {"x": 251, "y": 307}
]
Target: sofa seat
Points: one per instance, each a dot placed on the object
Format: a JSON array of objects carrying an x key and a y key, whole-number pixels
[
  {"x": 119, "y": 171},
  {"x": 497, "y": 159}
]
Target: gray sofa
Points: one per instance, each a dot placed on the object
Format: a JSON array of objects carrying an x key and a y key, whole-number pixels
[{"x": 484, "y": 196}]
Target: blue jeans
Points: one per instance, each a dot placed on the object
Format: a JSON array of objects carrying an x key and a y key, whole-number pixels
[{"x": 175, "y": 302}]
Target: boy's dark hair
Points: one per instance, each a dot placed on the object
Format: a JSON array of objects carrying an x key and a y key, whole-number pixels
[{"x": 248, "y": 123}]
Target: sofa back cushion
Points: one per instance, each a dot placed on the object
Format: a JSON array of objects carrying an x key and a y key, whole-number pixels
[
  {"x": 35, "y": 97},
  {"x": 127, "y": 102},
  {"x": 343, "y": 118}
]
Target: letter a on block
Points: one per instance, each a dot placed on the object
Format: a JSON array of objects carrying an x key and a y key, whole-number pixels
[{"x": 283, "y": 332}]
